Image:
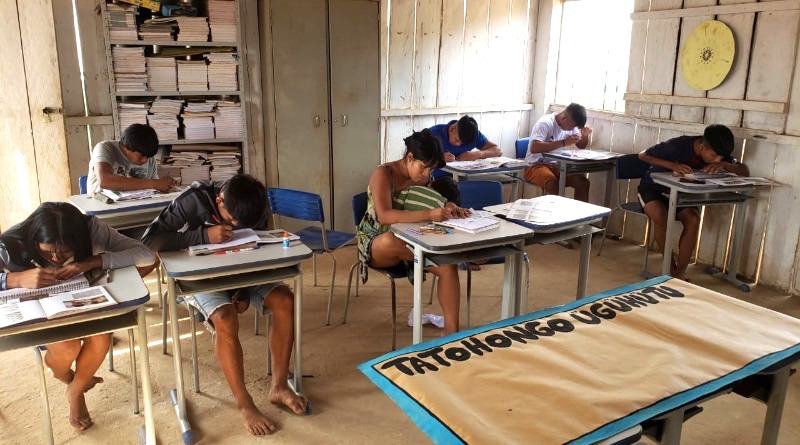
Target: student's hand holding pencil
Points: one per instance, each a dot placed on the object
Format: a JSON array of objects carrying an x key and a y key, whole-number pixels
[
  {"x": 440, "y": 214},
  {"x": 219, "y": 233},
  {"x": 32, "y": 278}
]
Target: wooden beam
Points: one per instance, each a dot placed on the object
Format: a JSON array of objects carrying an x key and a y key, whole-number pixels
[
  {"x": 741, "y": 8},
  {"x": 79, "y": 121},
  {"x": 732, "y": 104},
  {"x": 454, "y": 110}
]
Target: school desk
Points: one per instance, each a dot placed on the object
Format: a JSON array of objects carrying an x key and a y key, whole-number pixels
[
  {"x": 568, "y": 219},
  {"x": 569, "y": 164},
  {"x": 129, "y": 291},
  {"x": 189, "y": 275},
  {"x": 646, "y": 355},
  {"x": 684, "y": 193},
  {"x": 502, "y": 174},
  {"x": 124, "y": 214},
  {"x": 459, "y": 247}
]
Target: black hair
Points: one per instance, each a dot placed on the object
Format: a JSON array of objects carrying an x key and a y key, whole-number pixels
[
  {"x": 57, "y": 223},
  {"x": 141, "y": 139},
  {"x": 578, "y": 114},
  {"x": 245, "y": 198},
  {"x": 719, "y": 138},
  {"x": 425, "y": 147},
  {"x": 467, "y": 130},
  {"x": 448, "y": 188}
]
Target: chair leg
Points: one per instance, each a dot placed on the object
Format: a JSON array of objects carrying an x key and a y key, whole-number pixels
[
  {"x": 347, "y": 296},
  {"x": 164, "y": 318},
  {"x": 256, "y": 324},
  {"x": 158, "y": 286},
  {"x": 330, "y": 292},
  {"x": 648, "y": 240},
  {"x": 48, "y": 423},
  {"x": 469, "y": 295},
  {"x": 111, "y": 354},
  {"x": 195, "y": 365},
  {"x": 268, "y": 316},
  {"x": 314, "y": 267},
  {"x": 394, "y": 318},
  {"x": 134, "y": 378}
]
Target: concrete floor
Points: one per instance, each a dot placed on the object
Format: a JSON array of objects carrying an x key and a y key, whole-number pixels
[{"x": 347, "y": 408}]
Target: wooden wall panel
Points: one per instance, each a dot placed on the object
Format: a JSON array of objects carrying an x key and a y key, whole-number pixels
[
  {"x": 622, "y": 135},
  {"x": 771, "y": 71},
  {"x": 636, "y": 59},
  {"x": 397, "y": 128},
  {"x": 524, "y": 15},
  {"x": 660, "y": 58},
  {"x": 451, "y": 59},
  {"x": 476, "y": 47},
  {"x": 426, "y": 53},
  {"x": 401, "y": 53},
  {"x": 681, "y": 88},
  {"x": 600, "y": 140},
  {"x": 793, "y": 117},
  {"x": 501, "y": 51},
  {"x": 510, "y": 123}
]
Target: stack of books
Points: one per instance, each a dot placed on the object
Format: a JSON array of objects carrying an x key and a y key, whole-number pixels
[
  {"x": 158, "y": 28},
  {"x": 198, "y": 119},
  {"x": 164, "y": 118},
  {"x": 162, "y": 74},
  {"x": 222, "y": 69},
  {"x": 191, "y": 165},
  {"x": 228, "y": 120},
  {"x": 192, "y": 29},
  {"x": 192, "y": 75},
  {"x": 122, "y": 22},
  {"x": 222, "y": 20},
  {"x": 129, "y": 68},
  {"x": 224, "y": 165},
  {"x": 132, "y": 112}
]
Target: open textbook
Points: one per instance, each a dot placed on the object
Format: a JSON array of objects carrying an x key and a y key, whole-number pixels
[
  {"x": 487, "y": 163},
  {"x": 128, "y": 195},
  {"x": 585, "y": 153},
  {"x": 242, "y": 239},
  {"x": 23, "y": 294},
  {"x": 478, "y": 221},
  {"x": 16, "y": 312}
]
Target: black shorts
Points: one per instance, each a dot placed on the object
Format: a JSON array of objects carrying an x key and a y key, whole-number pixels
[{"x": 656, "y": 192}]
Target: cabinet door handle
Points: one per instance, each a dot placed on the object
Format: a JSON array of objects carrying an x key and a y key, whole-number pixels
[
  {"x": 316, "y": 121},
  {"x": 344, "y": 120}
]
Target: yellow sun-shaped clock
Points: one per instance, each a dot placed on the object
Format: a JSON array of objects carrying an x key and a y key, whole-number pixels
[{"x": 707, "y": 55}]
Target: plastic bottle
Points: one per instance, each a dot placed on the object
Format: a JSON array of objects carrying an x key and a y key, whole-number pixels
[{"x": 285, "y": 239}]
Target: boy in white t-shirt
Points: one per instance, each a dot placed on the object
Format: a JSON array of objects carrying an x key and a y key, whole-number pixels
[{"x": 554, "y": 131}]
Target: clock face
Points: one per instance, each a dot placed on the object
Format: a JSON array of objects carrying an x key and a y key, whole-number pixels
[{"x": 707, "y": 55}]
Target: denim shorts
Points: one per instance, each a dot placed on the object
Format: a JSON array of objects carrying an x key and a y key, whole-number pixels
[{"x": 207, "y": 303}]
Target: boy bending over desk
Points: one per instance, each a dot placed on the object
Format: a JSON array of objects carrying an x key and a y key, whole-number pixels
[
  {"x": 56, "y": 242},
  {"x": 207, "y": 212},
  {"x": 710, "y": 153}
]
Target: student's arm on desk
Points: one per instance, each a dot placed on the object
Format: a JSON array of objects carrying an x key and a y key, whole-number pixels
[
  {"x": 680, "y": 169},
  {"x": 106, "y": 179},
  {"x": 488, "y": 150},
  {"x": 163, "y": 233},
  {"x": 118, "y": 250},
  {"x": 736, "y": 169}
]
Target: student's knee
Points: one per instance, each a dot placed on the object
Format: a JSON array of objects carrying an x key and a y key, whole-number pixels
[
  {"x": 69, "y": 348},
  {"x": 225, "y": 320},
  {"x": 551, "y": 187},
  {"x": 689, "y": 218},
  {"x": 102, "y": 340},
  {"x": 280, "y": 299},
  {"x": 449, "y": 272}
]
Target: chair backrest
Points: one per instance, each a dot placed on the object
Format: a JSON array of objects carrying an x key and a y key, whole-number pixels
[
  {"x": 631, "y": 167},
  {"x": 480, "y": 194},
  {"x": 522, "y": 147},
  {"x": 295, "y": 204},
  {"x": 82, "y": 184},
  {"x": 359, "y": 207}
]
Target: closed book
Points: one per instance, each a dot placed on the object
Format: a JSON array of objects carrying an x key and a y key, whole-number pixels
[{"x": 471, "y": 224}]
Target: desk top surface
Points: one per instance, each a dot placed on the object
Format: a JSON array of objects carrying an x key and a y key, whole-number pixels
[
  {"x": 458, "y": 240},
  {"x": 560, "y": 213},
  {"x": 90, "y": 206},
  {"x": 126, "y": 287},
  {"x": 485, "y": 171},
  {"x": 669, "y": 180},
  {"x": 179, "y": 264},
  {"x": 582, "y": 156}
]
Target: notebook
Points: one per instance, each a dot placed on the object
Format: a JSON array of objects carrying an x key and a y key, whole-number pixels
[
  {"x": 474, "y": 223},
  {"x": 128, "y": 195},
  {"x": 273, "y": 236},
  {"x": 242, "y": 239},
  {"x": 56, "y": 305},
  {"x": 22, "y": 294}
]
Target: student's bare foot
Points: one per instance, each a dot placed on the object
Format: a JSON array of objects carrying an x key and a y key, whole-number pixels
[
  {"x": 79, "y": 416},
  {"x": 92, "y": 382},
  {"x": 255, "y": 422},
  {"x": 282, "y": 395}
]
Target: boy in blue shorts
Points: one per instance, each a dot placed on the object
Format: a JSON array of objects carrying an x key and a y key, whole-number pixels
[
  {"x": 208, "y": 212},
  {"x": 710, "y": 153}
]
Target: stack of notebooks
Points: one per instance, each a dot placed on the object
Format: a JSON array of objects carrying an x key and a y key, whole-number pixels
[
  {"x": 162, "y": 74},
  {"x": 158, "y": 28},
  {"x": 122, "y": 22},
  {"x": 129, "y": 68},
  {"x": 132, "y": 112},
  {"x": 192, "y": 29},
  {"x": 192, "y": 75},
  {"x": 224, "y": 165},
  {"x": 222, "y": 71},
  {"x": 198, "y": 120},
  {"x": 164, "y": 118},
  {"x": 228, "y": 120},
  {"x": 222, "y": 20},
  {"x": 191, "y": 166}
]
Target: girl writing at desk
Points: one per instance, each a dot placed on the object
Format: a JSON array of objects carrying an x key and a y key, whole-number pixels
[
  {"x": 378, "y": 247},
  {"x": 56, "y": 242}
]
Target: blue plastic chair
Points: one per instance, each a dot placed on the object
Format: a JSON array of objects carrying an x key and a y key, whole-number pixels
[
  {"x": 521, "y": 146},
  {"x": 82, "y": 184},
  {"x": 359, "y": 203},
  {"x": 307, "y": 206}
]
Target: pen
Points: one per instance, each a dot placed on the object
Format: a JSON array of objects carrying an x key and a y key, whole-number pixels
[
  {"x": 108, "y": 276},
  {"x": 246, "y": 249},
  {"x": 414, "y": 231}
]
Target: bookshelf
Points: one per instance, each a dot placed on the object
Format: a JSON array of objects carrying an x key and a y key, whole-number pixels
[{"x": 190, "y": 90}]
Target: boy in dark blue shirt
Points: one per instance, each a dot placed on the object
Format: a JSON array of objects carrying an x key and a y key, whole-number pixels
[
  {"x": 459, "y": 139},
  {"x": 710, "y": 153}
]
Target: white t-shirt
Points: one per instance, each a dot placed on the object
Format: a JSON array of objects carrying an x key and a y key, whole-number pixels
[
  {"x": 110, "y": 153},
  {"x": 547, "y": 130}
]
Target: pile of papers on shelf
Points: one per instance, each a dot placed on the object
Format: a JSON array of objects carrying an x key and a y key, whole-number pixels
[
  {"x": 228, "y": 120},
  {"x": 132, "y": 112},
  {"x": 122, "y": 22},
  {"x": 222, "y": 71},
  {"x": 158, "y": 28},
  {"x": 129, "y": 68},
  {"x": 165, "y": 170},
  {"x": 222, "y": 20},
  {"x": 192, "y": 29},
  {"x": 224, "y": 165},
  {"x": 198, "y": 119},
  {"x": 192, "y": 75},
  {"x": 192, "y": 165},
  {"x": 164, "y": 118},
  {"x": 162, "y": 74}
]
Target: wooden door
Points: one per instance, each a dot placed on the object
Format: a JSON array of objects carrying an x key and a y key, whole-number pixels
[
  {"x": 33, "y": 153},
  {"x": 300, "y": 67},
  {"x": 355, "y": 101}
]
